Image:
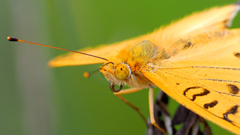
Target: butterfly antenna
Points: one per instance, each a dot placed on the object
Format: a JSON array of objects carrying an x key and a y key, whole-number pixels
[
  {"x": 88, "y": 74},
  {"x": 19, "y": 40}
]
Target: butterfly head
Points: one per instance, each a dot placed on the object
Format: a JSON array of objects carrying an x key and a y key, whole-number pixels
[{"x": 118, "y": 73}]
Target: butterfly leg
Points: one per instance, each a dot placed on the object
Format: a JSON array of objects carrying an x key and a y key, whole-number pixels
[
  {"x": 127, "y": 91},
  {"x": 132, "y": 90},
  {"x": 151, "y": 108}
]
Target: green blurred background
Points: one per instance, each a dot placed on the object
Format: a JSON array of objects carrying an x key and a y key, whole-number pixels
[{"x": 38, "y": 100}]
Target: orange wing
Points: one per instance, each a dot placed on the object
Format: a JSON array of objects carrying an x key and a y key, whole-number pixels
[
  {"x": 214, "y": 19},
  {"x": 204, "y": 78}
]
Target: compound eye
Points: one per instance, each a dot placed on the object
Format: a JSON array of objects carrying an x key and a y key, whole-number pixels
[{"x": 122, "y": 71}]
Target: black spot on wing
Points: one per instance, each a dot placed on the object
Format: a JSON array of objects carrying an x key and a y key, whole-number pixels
[
  {"x": 187, "y": 45},
  {"x": 233, "y": 89},
  {"x": 237, "y": 54},
  {"x": 212, "y": 104},
  {"x": 232, "y": 110},
  {"x": 189, "y": 88},
  {"x": 205, "y": 92}
]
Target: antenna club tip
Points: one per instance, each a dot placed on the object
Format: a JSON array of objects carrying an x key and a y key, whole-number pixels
[
  {"x": 12, "y": 39},
  {"x": 86, "y": 74}
]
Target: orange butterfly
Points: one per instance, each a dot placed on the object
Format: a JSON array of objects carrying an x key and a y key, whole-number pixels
[{"x": 196, "y": 61}]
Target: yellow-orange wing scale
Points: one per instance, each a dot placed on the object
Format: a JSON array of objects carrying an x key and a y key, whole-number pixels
[{"x": 214, "y": 19}]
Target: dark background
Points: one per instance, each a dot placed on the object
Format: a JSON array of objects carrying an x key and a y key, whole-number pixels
[{"x": 38, "y": 100}]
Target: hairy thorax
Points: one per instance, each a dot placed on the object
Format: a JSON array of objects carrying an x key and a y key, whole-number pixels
[{"x": 126, "y": 67}]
